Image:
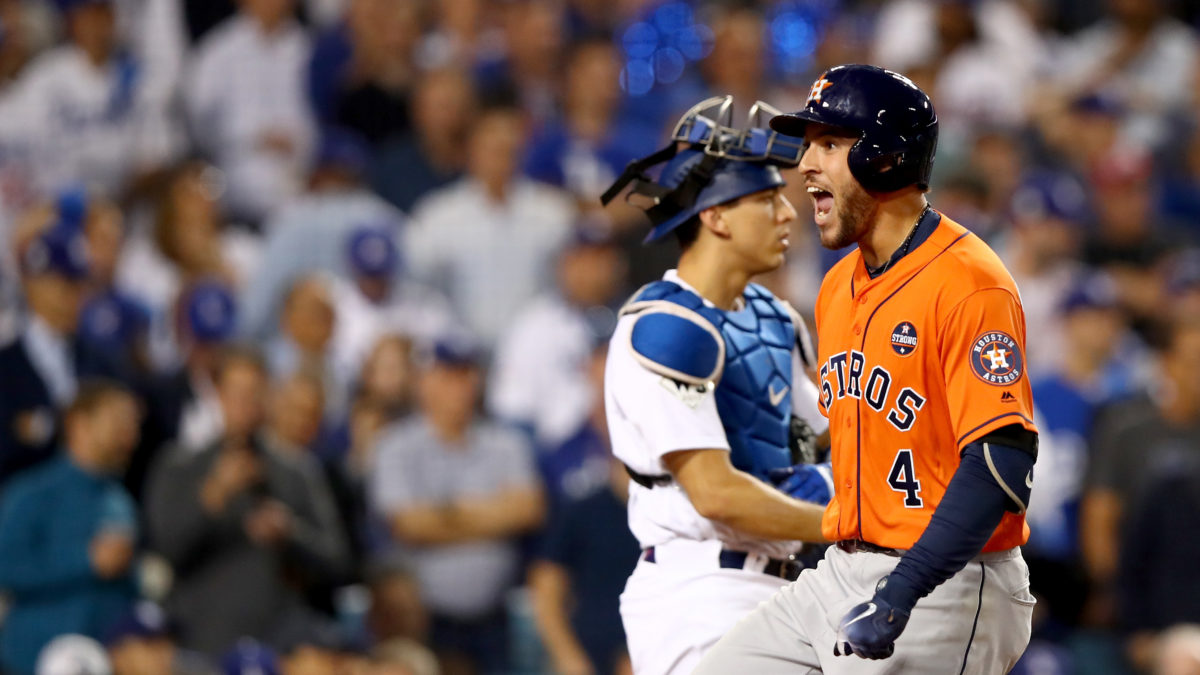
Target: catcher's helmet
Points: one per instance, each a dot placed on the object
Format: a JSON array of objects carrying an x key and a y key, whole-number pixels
[
  {"x": 709, "y": 162},
  {"x": 897, "y": 124}
]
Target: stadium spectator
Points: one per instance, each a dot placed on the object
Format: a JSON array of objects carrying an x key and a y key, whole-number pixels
[
  {"x": 588, "y": 146},
  {"x": 1157, "y": 602},
  {"x": 376, "y": 299},
  {"x": 206, "y": 322},
  {"x": 362, "y": 70},
  {"x": 434, "y": 153},
  {"x": 527, "y": 69},
  {"x": 294, "y": 416},
  {"x": 69, "y": 531},
  {"x": 247, "y": 108},
  {"x": 347, "y": 456},
  {"x": 457, "y": 491},
  {"x": 41, "y": 365},
  {"x": 1129, "y": 443},
  {"x": 78, "y": 113},
  {"x": 487, "y": 241},
  {"x": 237, "y": 523},
  {"x": 396, "y": 612},
  {"x": 190, "y": 240},
  {"x": 1138, "y": 56},
  {"x": 539, "y": 377},
  {"x": 460, "y": 35},
  {"x": 1049, "y": 211},
  {"x": 983, "y": 56},
  {"x": 143, "y": 642},
  {"x": 309, "y": 234},
  {"x": 1130, "y": 242},
  {"x": 585, "y": 559},
  {"x": 737, "y": 63},
  {"x": 306, "y": 326},
  {"x": 388, "y": 377},
  {"x": 1096, "y": 371}
]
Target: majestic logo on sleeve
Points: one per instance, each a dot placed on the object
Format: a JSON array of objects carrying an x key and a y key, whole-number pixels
[
  {"x": 904, "y": 338},
  {"x": 996, "y": 359}
]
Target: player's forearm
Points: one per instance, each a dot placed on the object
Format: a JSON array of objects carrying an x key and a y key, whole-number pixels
[
  {"x": 962, "y": 524},
  {"x": 752, "y": 507}
]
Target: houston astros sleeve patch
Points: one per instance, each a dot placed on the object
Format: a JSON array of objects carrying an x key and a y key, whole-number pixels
[{"x": 996, "y": 358}]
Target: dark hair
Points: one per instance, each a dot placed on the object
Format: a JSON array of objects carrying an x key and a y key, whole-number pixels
[
  {"x": 92, "y": 393},
  {"x": 687, "y": 233},
  {"x": 239, "y": 354}
]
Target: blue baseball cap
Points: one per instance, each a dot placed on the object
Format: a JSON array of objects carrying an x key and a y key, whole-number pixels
[
  {"x": 145, "y": 620},
  {"x": 1050, "y": 194},
  {"x": 456, "y": 351},
  {"x": 343, "y": 148},
  {"x": 1098, "y": 104},
  {"x": 112, "y": 320},
  {"x": 65, "y": 6},
  {"x": 1090, "y": 291},
  {"x": 372, "y": 252},
  {"x": 210, "y": 312},
  {"x": 58, "y": 250},
  {"x": 72, "y": 207},
  {"x": 249, "y": 657},
  {"x": 591, "y": 233}
]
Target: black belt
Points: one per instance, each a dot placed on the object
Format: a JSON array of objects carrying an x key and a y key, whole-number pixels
[
  {"x": 860, "y": 546},
  {"x": 736, "y": 560},
  {"x": 648, "y": 481}
]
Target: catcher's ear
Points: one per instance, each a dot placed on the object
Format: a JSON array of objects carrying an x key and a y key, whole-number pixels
[{"x": 713, "y": 220}]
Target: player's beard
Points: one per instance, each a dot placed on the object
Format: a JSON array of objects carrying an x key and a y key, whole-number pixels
[{"x": 854, "y": 211}]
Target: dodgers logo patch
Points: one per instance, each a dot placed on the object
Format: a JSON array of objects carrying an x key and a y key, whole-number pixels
[
  {"x": 904, "y": 338},
  {"x": 996, "y": 358}
]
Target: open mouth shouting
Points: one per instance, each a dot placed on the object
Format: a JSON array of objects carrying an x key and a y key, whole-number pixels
[{"x": 822, "y": 204}]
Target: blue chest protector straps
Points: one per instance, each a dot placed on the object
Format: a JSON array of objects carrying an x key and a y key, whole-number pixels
[{"x": 994, "y": 476}]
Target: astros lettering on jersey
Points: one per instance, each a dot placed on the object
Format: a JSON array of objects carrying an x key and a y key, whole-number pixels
[{"x": 934, "y": 350}]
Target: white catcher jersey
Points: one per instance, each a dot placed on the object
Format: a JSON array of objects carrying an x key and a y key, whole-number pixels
[{"x": 649, "y": 417}]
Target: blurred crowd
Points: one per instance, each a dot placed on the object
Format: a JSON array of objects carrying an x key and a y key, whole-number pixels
[{"x": 304, "y": 306}]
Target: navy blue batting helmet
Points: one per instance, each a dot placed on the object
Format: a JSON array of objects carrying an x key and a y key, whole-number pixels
[
  {"x": 708, "y": 162},
  {"x": 895, "y": 120}
]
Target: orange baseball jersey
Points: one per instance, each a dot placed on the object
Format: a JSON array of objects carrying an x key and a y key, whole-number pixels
[{"x": 916, "y": 364}]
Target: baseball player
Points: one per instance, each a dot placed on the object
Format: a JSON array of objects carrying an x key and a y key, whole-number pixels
[
  {"x": 922, "y": 377},
  {"x": 705, "y": 372}
]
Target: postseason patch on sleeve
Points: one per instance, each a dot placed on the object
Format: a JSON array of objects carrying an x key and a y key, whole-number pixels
[{"x": 996, "y": 358}]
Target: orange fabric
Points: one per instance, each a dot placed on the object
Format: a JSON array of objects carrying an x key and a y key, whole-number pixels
[{"x": 926, "y": 358}]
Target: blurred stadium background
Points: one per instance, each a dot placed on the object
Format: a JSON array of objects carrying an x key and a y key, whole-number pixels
[{"x": 304, "y": 305}]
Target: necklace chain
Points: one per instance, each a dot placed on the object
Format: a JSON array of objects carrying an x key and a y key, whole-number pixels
[{"x": 903, "y": 247}]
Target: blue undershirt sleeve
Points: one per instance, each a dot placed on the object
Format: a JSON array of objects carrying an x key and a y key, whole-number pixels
[{"x": 964, "y": 520}]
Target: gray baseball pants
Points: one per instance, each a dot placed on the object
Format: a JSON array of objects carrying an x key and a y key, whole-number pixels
[{"x": 977, "y": 622}]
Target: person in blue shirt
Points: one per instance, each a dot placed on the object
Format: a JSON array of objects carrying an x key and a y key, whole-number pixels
[
  {"x": 68, "y": 530},
  {"x": 586, "y": 556},
  {"x": 589, "y": 144}
]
